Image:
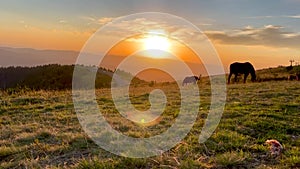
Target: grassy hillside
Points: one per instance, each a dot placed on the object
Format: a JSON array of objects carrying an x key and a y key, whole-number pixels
[
  {"x": 59, "y": 77},
  {"x": 40, "y": 129},
  {"x": 279, "y": 73}
]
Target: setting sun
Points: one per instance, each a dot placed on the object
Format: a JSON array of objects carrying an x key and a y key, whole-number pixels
[{"x": 156, "y": 44}]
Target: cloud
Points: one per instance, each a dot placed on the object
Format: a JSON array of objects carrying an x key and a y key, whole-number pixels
[
  {"x": 88, "y": 18},
  {"x": 173, "y": 29},
  {"x": 269, "y": 16},
  {"x": 269, "y": 35},
  {"x": 259, "y": 17},
  {"x": 97, "y": 21},
  {"x": 62, "y": 21},
  {"x": 104, "y": 20},
  {"x": 294, "y": 16}
]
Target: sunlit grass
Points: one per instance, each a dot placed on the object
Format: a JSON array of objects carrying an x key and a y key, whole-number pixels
[{"x": 40, "y": 129}]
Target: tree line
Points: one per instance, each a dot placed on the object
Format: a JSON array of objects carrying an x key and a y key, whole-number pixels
[{"x": 53, "y": 77}]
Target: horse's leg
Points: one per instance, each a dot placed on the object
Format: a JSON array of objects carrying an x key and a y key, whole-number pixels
[
  {"x": 230, "y": 74},
  {"x": 245, "y": 77},
  {"x": 235, "y": 77}
]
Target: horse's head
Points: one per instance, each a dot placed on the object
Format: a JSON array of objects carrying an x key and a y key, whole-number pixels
[
  {"x": 197, "y": 78},
  {"x": 253, "y": 77}
]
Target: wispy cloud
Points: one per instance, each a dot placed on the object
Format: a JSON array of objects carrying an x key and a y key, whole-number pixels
[
  {"x": 269, "y": 35},
  {"x": 23, "y": 23},
  {"x": 293, "y": 16},
  {"x": 269, "y": 16},
  {"x": 175, "y": 30},
  {"x": 62, "y": 21},
  {"x": 205, "y": 24},
  {"x": 259, "y": 17},
  {"x": 104, "y": 20},
  {"x": 98, "y": 21}
]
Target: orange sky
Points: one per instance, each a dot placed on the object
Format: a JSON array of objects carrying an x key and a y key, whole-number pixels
[
  {"x": 66, "y": 39},
  {"x": 131, "y": 45},
  {"x": 266, "y": 37}
]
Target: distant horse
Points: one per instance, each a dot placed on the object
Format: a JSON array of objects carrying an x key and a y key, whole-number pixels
[
  {"x": 242, "y": 68},
  {"x": 190, "y": 79},
  {"x": 294, "y": 77}
]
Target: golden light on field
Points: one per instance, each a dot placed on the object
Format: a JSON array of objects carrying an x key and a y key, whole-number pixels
[{"x": 157, "y": 44}]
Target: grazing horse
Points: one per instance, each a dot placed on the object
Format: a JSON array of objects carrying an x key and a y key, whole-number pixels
[
  {"x": 190, "y": 79},
  {"x": 294, "y": 77},
  {"x": 242, "y": 68}
]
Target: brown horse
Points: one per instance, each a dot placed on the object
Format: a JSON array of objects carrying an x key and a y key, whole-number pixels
[{"x": 242, "y": 68}]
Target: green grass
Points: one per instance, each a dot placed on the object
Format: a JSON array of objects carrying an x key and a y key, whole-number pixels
[{"x": 40, "y": 129}]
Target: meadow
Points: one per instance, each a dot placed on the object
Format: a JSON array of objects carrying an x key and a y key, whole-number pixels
[{"x": 40, "y": 129}]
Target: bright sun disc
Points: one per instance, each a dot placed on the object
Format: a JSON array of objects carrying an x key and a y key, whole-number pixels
[{"x": 157, "y": 42}]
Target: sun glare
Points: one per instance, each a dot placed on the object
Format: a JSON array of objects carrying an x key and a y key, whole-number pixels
[
  {"x": 158, "y": 42},
  {"x": 157, "y": 45}
]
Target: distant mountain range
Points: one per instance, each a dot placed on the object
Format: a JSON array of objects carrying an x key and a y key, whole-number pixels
[{"x": 33, "y": 57}]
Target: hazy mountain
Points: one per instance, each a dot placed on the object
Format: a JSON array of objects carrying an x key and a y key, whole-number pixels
[{"x": 32, "y": 57}]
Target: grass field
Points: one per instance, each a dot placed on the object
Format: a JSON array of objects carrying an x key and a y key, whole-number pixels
[{"x": 40, "y": 129}]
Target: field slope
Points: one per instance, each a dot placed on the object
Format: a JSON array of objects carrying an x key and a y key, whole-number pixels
[{"x": 40, "y": 129}]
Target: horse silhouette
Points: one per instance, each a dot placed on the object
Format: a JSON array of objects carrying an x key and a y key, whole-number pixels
[
  {"x": 294, "y": 77},
  {"x": 190, "y": 79},
  {"x": 242, "y": 68}
]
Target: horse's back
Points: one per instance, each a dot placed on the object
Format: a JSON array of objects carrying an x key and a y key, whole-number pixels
[
  {"x": 238, "y": 67},
  {"x": 190, "y": 79}
]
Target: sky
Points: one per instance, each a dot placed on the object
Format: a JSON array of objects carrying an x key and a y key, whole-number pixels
[{"x": 266, "y": 33}]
